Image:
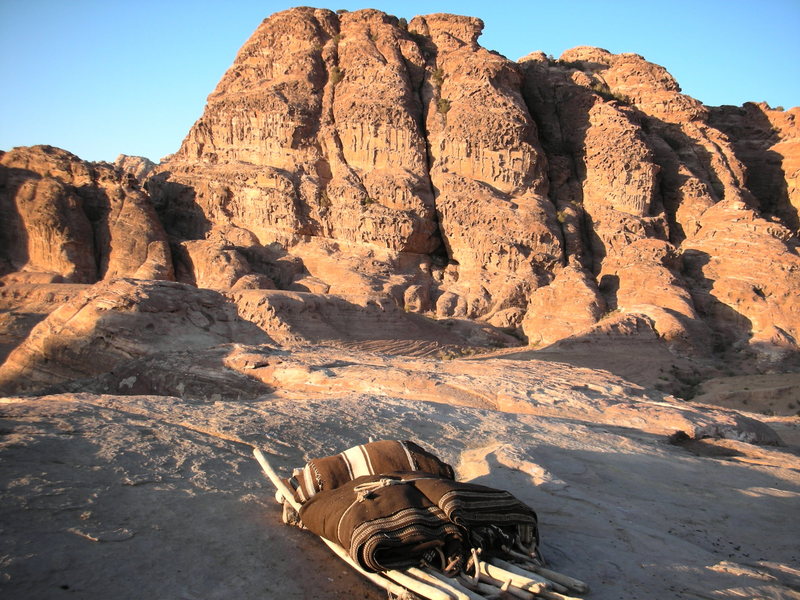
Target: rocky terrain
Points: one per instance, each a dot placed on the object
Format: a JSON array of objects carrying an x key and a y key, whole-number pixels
[{"x": 563, "y": 275}]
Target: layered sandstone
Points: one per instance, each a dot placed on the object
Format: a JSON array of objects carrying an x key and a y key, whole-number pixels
[
  {"x": 767, "y": 141},
  {"x": 114, "y": 322},
  {"x": 643, "y": 166},
  {"x": 132, "y": 336},
  {"x": 68, "y": 220},
  {"x": 364, "y": 225},
  {"x": 104, "y": 489},
  {"x": 138, "y": 166},
  {"x": 353, "y": 155}
]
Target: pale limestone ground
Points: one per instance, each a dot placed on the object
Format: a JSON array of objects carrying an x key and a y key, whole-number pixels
[{"x": 158, "y": 496}]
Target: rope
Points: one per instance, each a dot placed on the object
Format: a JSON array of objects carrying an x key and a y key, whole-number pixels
[{"x": 364, "y": 491}]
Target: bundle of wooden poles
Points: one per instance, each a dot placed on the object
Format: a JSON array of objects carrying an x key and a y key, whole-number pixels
[{"x": 518, "y": 576}]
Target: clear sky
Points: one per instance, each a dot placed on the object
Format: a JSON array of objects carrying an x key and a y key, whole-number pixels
[{"x": 104, "y": 77}]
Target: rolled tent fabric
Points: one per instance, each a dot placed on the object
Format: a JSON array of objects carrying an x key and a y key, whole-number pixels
[
  {"x": 383, "y": 456},
  {"x": 491, "y": 517},
  {"x": 394, "y": 505},
  {"x": 384, "y": 523}
]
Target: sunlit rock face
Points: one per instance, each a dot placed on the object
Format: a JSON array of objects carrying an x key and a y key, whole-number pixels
[
  {"x": 67, "y": 220},
  {"x": 359, "y": 156}
]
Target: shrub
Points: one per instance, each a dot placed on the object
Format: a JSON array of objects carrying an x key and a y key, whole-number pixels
[
  {"x": 437, "y": 77},
  {"x": 402, "y": 23},
  {"x": 443, "y": 105},
  {"x": 324, "y": 201},
  {"x": 420, "y": 39},
  {"x": 601, "y": 89},
  {"x": 336, "y": 75},
  {"x": 571, "y": 64}
]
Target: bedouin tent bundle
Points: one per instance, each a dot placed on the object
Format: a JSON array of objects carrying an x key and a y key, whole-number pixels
[{"x": 394, "y": 509}]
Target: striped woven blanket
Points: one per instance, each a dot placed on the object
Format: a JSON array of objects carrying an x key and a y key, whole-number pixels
[
  {"x": 374, "y": 458},
  {"x": 492, "y": 518},
  {"x": 401, "y": 519},
  {"x": 385, "y": 524}
]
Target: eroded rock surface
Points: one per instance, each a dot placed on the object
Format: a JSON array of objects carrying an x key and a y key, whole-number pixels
[
  {"x": 66, "y": 220},
  {"x": 111, "y": 323},
  {"x": 357, "y": 155},
  {"x": 159, "y": 495},
  {"x": 352, "y": 241}
]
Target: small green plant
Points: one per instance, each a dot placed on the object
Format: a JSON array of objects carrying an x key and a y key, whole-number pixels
[
  {"x": 610, "y": 313},
  {"x": 571, "y": 64},
  {"x": 621, "y": 98},
  {"x": 561, "y": 216},
  {"x": 324, "y": 201},
  {"x": 367, "y": 200},
  {"x": 420, "y": 39},
  {"x": 402, "y": 23},
  {"x": 337, "y": 38},
  {"x": 342, "y": 11},
  {"x": 443, "y": 106},
  {"x": 372, "y": 37},
  {"x": 336, "y": 75},
  {"x": 601, "y": 89},
  {"x": 437, "y": 77}
]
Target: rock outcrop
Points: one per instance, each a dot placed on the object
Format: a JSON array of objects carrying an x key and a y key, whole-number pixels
[
  {"x": 359, "y": 156},
  {"x": 104, "y": 489},
  {"x": 642, "y": 177},
  {"x": 115, "y": 322},
  {"x": 159, "y": 337},
  {"x": 66, "y": 220},
  {"x": 138, "y": 166}
]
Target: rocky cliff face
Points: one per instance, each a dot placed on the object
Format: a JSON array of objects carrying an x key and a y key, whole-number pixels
[
  {"x": 355, "y": 155},
  {"x": 66, "y": 220}
]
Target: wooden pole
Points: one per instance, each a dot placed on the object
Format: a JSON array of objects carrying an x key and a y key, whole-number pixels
[
  {"x": 275, "y": 479},
  {"x": 524, "y": 583}
]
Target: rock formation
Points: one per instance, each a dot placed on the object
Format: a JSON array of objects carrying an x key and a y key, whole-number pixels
[
  {"x": 138, "y": 166},
  {"x": 486, "y": 178},
  {"x": 122, "y": 320},
  {"x": 103, "y": 490},
  {"x": 65, "y": 220},
  {"x": 358, "y": 156}
]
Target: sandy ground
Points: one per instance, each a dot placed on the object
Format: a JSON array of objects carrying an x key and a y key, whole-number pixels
[
  {"x": 766, "y": 394},
  {"x": 159, "y": 497}
]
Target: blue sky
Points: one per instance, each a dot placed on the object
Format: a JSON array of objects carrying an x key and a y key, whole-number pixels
[{"x": 100, "y": 78}]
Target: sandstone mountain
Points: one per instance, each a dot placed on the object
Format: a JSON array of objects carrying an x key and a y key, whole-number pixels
[
  {"x": 355, "y": 156},
  {"x": 383, "y": 228}
]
